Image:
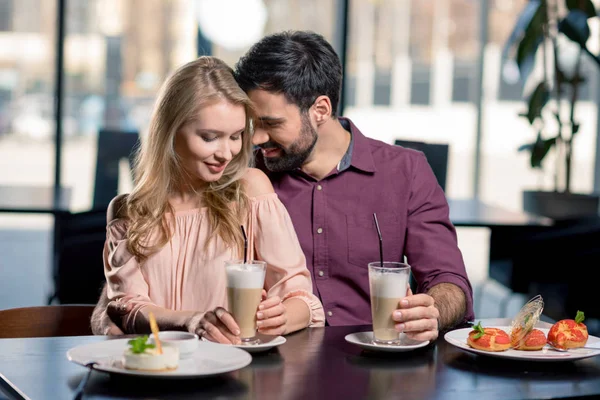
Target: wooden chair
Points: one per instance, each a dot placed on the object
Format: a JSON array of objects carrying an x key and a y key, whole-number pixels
[{"x": 46, "y": 321}]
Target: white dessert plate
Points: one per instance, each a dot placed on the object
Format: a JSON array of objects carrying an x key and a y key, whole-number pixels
[
  {"x": 208, "y": 359},
  {"x": 266, "y": 343},
  {"x": 459, "y": 337},
  {"x": 365, "y": 340}
]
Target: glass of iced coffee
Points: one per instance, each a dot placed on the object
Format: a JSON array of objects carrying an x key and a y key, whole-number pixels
[
  {"x": 245, "y": 282},
  {"x": 388, "y": 282}
]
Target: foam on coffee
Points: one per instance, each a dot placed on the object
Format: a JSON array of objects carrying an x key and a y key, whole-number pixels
[
  {"x": 245, "y": 277},
  {"x": 388, "y": 285}
]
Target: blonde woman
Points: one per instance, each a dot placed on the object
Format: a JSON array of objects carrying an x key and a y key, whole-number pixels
[{"x": 168, "y": 240}]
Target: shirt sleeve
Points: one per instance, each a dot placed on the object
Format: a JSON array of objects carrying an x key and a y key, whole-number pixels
[
  {"x": 276, "y": 243},
  {"x": 431, "y": 243},
  {"x": 125, "y": 280}
]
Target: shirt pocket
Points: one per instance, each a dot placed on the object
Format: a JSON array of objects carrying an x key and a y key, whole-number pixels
[{"x": 363, "y": 241}]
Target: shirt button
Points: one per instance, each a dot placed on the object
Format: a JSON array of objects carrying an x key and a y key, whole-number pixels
[
  {"x": 319, "y": 187},
  {"x": 321, "y": 273},
  {"x": 329, "y": 314},
  {"x": 320, "y": 230}
]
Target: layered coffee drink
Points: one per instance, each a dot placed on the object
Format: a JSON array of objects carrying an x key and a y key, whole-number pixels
[
  {"x": 388, "y": 285},
  {"x": 245, "y": 282}
]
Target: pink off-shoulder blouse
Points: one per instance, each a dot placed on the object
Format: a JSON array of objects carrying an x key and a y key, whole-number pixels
[{"x": 183, "y": 275}]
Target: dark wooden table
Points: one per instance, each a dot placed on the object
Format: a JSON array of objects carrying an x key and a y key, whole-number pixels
[
  {"x": 314, "y": 364},
  {"x": 472, "y": 212},
  {"x": 33, "y": 199}
]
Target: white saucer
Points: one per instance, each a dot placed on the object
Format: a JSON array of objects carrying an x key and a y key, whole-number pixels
[
  {"x": 365, "y": 340},
  {"x": 266, "y": 343}
]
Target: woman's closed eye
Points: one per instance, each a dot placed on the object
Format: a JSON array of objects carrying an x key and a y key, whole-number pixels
[{"x": 207, "y": 137}]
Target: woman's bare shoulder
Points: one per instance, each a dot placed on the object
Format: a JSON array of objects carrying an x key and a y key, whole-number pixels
[{"x": 257, "y": 183}]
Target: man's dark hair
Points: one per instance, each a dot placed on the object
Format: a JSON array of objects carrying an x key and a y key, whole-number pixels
[{"x": 300, "y": 64}]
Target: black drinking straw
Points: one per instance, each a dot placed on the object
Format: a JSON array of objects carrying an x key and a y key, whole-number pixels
[
  {"x": 245, "y": 244},
  {"x": 380, "y": 239}
]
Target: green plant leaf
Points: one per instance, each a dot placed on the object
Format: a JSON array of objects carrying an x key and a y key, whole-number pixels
[
  {"x": 518, "y": 31},
  {"x": 139, "y": 345},
  {"x": 479, "y": 329},
  {"x": 575, "y": 27},
  {"x": 587, "y": 6},
  {"x": 526, "y": 147},
  {"x": 540, "y": 150},
  {"x": 532, "y": 38},
  {"x": 537, "y": 101},
  {"x": 579, "y": 317}
]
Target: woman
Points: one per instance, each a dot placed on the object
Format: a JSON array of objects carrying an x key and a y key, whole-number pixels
[{"x": 168, "y": 240}]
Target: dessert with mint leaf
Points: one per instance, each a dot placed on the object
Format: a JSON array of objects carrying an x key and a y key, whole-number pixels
[
  {"x": 488, "y": 339},
  {"x": 144, "y": 356},
  {"x": 569, "y": 333}
]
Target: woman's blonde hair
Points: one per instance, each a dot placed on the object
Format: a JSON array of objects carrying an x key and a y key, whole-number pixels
[{"x": 158, "y": 170}]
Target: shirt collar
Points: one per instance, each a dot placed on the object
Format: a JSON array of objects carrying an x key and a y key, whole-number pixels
[{"x": 359, "y": 153}]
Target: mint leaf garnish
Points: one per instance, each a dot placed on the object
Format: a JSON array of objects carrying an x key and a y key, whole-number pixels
[{"x": 139, "y": 345}]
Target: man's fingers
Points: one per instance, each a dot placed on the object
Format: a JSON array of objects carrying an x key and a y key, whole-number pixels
[
  {"x": 422, "y": 336},
  {"x": 420, "y": 325},
  {"x": 416, "y": 314},
  {"x": 416, "y": 300}
]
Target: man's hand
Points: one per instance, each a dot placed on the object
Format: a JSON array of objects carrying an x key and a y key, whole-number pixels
[{"x": 417, "y": 317}]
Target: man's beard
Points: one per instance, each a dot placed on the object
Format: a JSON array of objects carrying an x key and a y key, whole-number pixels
[{"x": 297, "y": 153}]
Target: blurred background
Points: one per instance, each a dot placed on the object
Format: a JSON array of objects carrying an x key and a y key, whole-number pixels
[{"x": 434, "y": 71}]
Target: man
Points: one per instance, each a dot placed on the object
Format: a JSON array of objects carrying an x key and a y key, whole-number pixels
[{"x": 332, "y": 179}]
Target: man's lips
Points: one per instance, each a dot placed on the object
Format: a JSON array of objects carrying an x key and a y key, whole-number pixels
[
  {"x": 216, "y": 168},
  {"x": 271, "y": 152}
]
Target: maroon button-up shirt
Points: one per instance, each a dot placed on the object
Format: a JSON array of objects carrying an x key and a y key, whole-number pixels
[{"x": 333, "y": 218}]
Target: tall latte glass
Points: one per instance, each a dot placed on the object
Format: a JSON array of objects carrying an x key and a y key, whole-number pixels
[
  {"x": 388, "y": 286},
  {"x": 245, "y": 282}
]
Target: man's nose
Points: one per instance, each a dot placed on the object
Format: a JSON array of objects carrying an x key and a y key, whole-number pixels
[{"x": 260, "y": 136}]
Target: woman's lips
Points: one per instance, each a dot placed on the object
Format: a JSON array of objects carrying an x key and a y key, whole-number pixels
[{"x": 216, "y": 168}]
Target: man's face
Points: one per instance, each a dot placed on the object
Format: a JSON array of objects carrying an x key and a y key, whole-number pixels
[{"x": 285, "y": 135}]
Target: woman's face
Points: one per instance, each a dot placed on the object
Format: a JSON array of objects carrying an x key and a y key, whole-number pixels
[{"x": 207, "y": 144}]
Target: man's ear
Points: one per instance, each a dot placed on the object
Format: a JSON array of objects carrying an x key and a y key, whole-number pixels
[{"x": 321, "y": 109}]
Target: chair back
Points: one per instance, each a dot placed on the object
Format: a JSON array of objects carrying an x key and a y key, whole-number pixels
[
  {"x": 113, "y": 146},
  {"x": 46, "y": 321},
  {"x": 78, "y": 266},
  {"x": 436, "y": 154}
]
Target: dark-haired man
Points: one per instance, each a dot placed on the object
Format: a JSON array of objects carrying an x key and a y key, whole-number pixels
[{"x": 332, "y": 179}]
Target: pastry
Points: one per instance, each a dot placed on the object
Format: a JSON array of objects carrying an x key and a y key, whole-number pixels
[
  {"x": 488, "y": 339},
  {"x": 534, "y": 340},
  {"x": 569, "y": 333}
]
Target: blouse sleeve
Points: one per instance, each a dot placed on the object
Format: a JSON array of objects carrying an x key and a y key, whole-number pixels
[
  {"x": 126, "y": 282},
  {"x": 276, "y": 243}
]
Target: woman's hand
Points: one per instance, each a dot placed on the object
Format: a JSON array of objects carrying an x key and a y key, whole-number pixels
[
  {"x": 271, "y": 318},
  {"x": 216, "y": 326}
]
